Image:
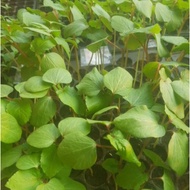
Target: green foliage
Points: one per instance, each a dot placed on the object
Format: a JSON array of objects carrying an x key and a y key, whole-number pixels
[{"x": 57, "y": 115}]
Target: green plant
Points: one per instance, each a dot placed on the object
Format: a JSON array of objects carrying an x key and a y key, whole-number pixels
[{"x": 56, "y": 119}]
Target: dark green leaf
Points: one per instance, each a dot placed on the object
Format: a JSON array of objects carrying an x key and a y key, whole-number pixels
[
  {"x": 151, "y": 70},
  {"x": 43, "y": 111},
  {"x": 111, "y": 165},
  {"x": 10, "y": 130},
  {"x": 140, "y": 122},
  {"x": 74, "y": 124},
  {"x": 43, "y": 136},
  {"x": 77, "y": 151},
  {"x": 178, "y": 152}
]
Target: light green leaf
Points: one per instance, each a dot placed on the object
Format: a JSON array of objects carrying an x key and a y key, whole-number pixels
[
  {"x": 52, "y": 60},
  {"x": 10, "y": 156},
  {"x": 5, "y": 90},
  {"x": 50, "y": 162},
  {"x": 118, "y": 80},
  {"x": 162, "y": 12},
  {"x": 144, "y": 6},
  {"x": 36, "y": 84},
  {"x": 155, "y": 158},
  {"x": 10, "y": 130},
  {"x": 52, "y": 184},
  {"x": 178, "y": 152},
  {"x": 91, "y": 84},
  {"x": 69, "y": 96},
  {"x": 140, "y": 122},
  {"x": 20, "y": 109},
  {"x": 74, "y": 124},
  {"x": 131, "y": 177},
  {"x": 40, "y": 46},
  {"x": 70, "y": 184},
  {"x": 98, "y": 10},
  {"x": 4, "y": 103},
  {"x": 106, "y": 123},
  {"x": 122, "y": 24},
  {"x": 172, "y": 101},
  {"x": 176, "y": 121},
  {"x": 24, "y": 180},
  {"x": 78, "y": 151},
  {"x": 95, "y": 46},
  {"x": 57, "y": 76},
  {"x": 181, "y": 87},
  {"x": 75, "y": 28},
  {"x": 43, "y": 111},
  {"x": 124, "y": 148},
  {"x": 26, "y": 162},
  {"x": 176, "y": 40},
  {"x": 77, "y": 15},
  {"x": 167, "y": 181},
  {"x": 43, "y": 136},
  {"x": 56, "y": 6},
  {"x": 111, "y": 165},
  {"x": 140, "y": 96}
]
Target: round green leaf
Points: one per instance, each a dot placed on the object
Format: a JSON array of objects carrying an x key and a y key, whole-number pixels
[
  {"x": 53, "y": 184},
  {"x": 43, "y": 111},
  {"x": 78, "y": 151},
  {"x": 178, "y": 152},
  {"x": 10, "y": 130},
  {"x": 44, "y": 136},
  {"x": 57, "y": 75},
  {"x": 52, "y": 60},
  {"x": 91, "y": 84},
  {"x": 118, "y": 80},
  {"x": 140, "y": 122},
  {"x": 74, "y": 124},
  {"x": 24, "y": 180},
  {"x": 36, "y": 84},
  {"x": 5, "y": 90},
  {"x": 26, "y": 162},
  {"x": 20, "y": 109}
]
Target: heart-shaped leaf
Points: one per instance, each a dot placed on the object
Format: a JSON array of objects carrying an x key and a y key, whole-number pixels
[
  {"x": 140, "y": 122},
  {"x": 10, "y": 130},
  {"x": 43, "y": 136},
  {"x": 78, "y": 151},
  {"x": 57, "y": 75}
]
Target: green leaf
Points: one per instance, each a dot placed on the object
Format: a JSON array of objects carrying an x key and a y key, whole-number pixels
[
  {"x": 4, "y": 103},
  {"x": 74, "y": 124},
  {"x": 172, "y": 101},
  {"x": 43, "y": 136},
  {"x": 124, "y": 148},
  {"x": 167, "y": 181},
  {"x": 77, "y": 15},
  {"x": 140, "y": 122},
  {"x": 181, "y": 87},
  {"x": 155, "y": 158},
  {"x": 52, "y": 60},
  {"x": 118, "y": 80},
  {"x": 111, "y": 165},
  {"x": 78, "y": 151},
  {"x": 178, "y": 152},
  {"x": 24, "y": 180},
  {"x": 57, "y": 76},
  {"x": 176, "y": 40},
  {"x": 52, "y": 184},
  {"x": 131, "y": 177},
  {"x": 75, "y": 28},
  {"x": 144, "y": 6},
  {"x": 20, "y": 109},
  {"x": 176, "y": 121},
  {"x": 140, "y": 96},
  {"x": 21, "y": 37},
  {"x": 26, "y": 162},
  {"x": 10, "y": 156},
  {"x": 95, "y": 46},
  {"x": 10, "y": 130},
  {"x": 56, "y": 6},
  {"x": 91, "y": 84},
  {"x": 162, "y": 51},
  {"x": 69, "y": 96},
  {"x": 50, "y": 162},
  {"x": 98, "y": 10},
  {"x": 5, "y": 90},
  {"x": 162, "y": 12},
  {"x": 106, "y": 123},
  {"x": 43, "y": 111},
  {"x": 40, "y": 46},
  {"x": 151, "y": 70},
  {"x": 36, "y": 84},
  {"x": 122, "y": 24}
]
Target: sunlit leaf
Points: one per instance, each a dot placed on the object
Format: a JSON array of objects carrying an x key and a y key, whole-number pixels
[
  {"x": 111, "y": 165},
  {"x": 98, "y": 10},
  {"x": 77, "y": 15},
  {"x": 5, "y": 90},
  {"x": 167, "y": 181}
]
